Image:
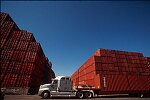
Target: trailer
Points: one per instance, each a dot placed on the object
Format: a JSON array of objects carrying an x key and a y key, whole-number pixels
[{"x": 115, "y": 72}]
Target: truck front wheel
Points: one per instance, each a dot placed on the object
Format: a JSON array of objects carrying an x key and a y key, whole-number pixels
[
  {"x": 88, "y": 95},
  {"x": 80, "y": 94},
  {"x": 46, "y": 94}
]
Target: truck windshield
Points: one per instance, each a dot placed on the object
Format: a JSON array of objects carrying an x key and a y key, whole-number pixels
[{"x": 55, "y": 81}]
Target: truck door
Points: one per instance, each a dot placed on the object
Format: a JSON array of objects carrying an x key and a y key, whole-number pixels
[{"x": 54, "y": 85}]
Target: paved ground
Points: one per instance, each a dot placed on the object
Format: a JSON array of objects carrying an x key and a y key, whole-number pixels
[{"x": 36, "y": 97}]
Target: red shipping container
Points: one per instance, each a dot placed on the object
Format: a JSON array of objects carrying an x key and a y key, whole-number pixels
[
  {"x": 123, "y": 69},
  {"x": 18, "y": 56},
  {"x": 138, "y": 83},
  {"x": 4, "y": 80},
  {"x": 15, "y": 35},
  {"x": 114, "y": 60},
  {"x": 100, "y": 52},
  {"x": 120, "y": 52},
  {"x": 4, "y": 67},
  {"x": 113, "y": 55},
  {"x": 16, "y": 67},
  {"x": 111, "y": 67},
  {"x": 3, "y": 17},
  {"x": 120, "y": 56},
  {"x": 18, "y": 81},
  {"x": 98, "y": 66},
  {"x": 29, "y": 81},
  {"x": 11, "y": 44},
  {"x": 146, "y": 70},
  {"x": 10, "y": 68},
  {"x": 23, "y": 45},
  {"x": 105, "y": 67},
  {"x": 123, "y": 64},
  {"x": 132, "y": 65},
  {"x": 121, "y": 60},
  {"x": 12, "y": 80},
  {"x": 104, "y": 52},
  {"x": 106, "y": 60},
  {"x": 35, "y": 57},
  {"x": 106, "y": 83},
  {"x": 103, "y": 59},
  {"x": 9, "y": 80},
  {"x": 90, "y": 68},
  {"x": 30, "y": 57},
  {"x": 26, "y": 80},
  {"x": 90, "y": 75},
  {"x": 114, "y": 83},
  {"x": 26, "y": 36},
  {"x": 34, "y": 47},
  {"x": 2, "y": 77},
  {"x": 149, "y": 81},
  {"x": 97, "y": 59},
  {"x": 31, "y": 68},
  {"x": 97, "y": 81},
  {"x": 90, "y": 82},
  {"x": 6, "y": 29},
  {"x": 81, "y": 68},
  {"x": 133, "y": 69},
  {"x": 144, "y": 62},
  {"x": 140, "y": 69},
  {"x": 6, "y": 55},
  {"x": 2, "y": 42}
]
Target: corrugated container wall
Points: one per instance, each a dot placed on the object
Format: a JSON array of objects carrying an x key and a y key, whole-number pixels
[
  {"x": 23, "y": 63},
  {"x": 114, "y": 71}
]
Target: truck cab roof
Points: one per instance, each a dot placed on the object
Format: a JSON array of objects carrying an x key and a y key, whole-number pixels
[{"x": 61, "y": 77}]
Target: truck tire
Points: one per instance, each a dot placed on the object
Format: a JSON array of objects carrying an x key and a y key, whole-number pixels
[
  {"x": 88, "y": 94},
  {"x": 46, "y": 94},
  {"x": 80, "y": 94}
]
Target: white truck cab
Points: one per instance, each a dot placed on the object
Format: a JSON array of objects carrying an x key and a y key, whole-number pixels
[{"x": 62, "y": 86}]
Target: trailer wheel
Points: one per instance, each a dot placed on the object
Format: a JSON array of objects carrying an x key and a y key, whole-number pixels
[
  {"x": 80, "y": 94},
  {"x": 46, "y": 94},
  {"x": 88, "y": 94}
]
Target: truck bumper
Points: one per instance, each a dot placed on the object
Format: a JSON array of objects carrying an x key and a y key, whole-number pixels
[{"x": 40, "y": 93}]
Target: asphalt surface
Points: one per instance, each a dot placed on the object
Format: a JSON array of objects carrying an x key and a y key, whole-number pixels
[{"x": 36, "y": 97}]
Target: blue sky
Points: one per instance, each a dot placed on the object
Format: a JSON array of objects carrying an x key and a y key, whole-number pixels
[{"x": 70, "y": 32}]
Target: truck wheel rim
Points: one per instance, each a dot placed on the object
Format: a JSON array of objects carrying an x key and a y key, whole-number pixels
[
  {"x": 45, "y": 95},
  {"x": 88, "y": 94},
  {"x": 80, "y": 95}
]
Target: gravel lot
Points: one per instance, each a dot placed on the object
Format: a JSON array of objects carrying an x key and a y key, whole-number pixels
[{"x": 36, "y": 97}]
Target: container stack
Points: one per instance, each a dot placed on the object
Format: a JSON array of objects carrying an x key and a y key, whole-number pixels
[
  {"x": 148, "y": 61},
  {"x": 113, "y": 71},
  {"x": 7, "y": 26},
  {"x": 22, "y": 59},
  {"x": 48, "y": 73}
]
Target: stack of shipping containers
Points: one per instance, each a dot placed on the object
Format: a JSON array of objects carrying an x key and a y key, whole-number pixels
[
  {"x": 48, "y": 72},
  {"x": 23, "y": 62},
  {"x": 113, "y": 71},
  {"x": 148, "y": 61}
]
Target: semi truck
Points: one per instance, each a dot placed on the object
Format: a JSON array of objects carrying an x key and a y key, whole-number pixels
[{"x": 62, "y": 86}]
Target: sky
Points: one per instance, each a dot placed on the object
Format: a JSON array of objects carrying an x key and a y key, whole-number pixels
[{"x": 71, "y": 31}]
